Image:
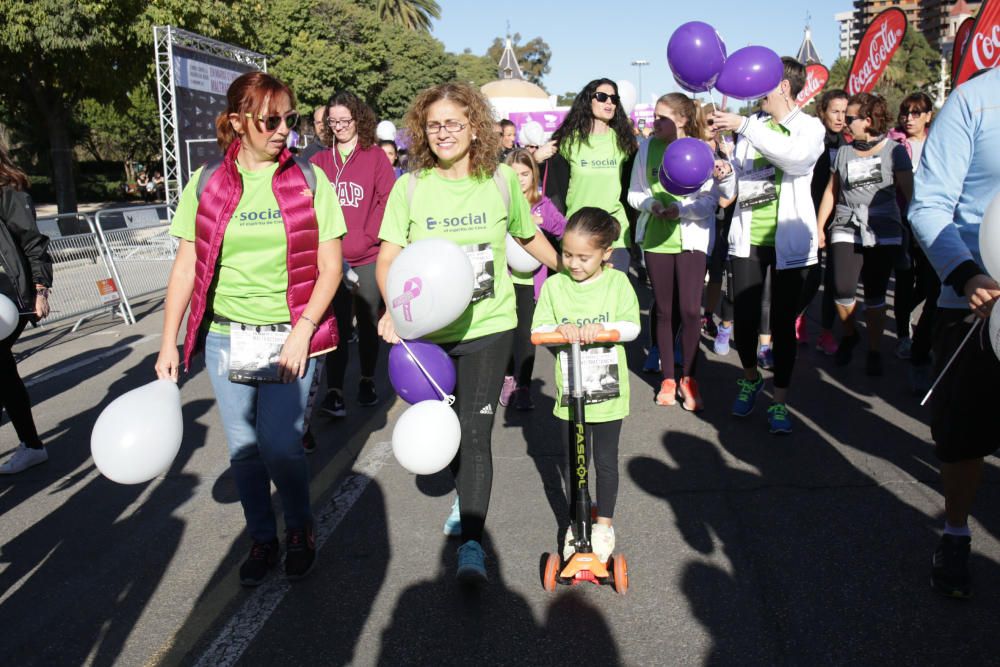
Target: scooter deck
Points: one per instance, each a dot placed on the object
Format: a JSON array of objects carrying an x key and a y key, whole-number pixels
[{"x": 585, "y": 567}]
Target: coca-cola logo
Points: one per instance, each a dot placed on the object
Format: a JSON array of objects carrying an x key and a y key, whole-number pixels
[
  {"x": 816, "y": 78},
  {"x": 880, "y": 49},
  {"x": 985, "y": 49}
]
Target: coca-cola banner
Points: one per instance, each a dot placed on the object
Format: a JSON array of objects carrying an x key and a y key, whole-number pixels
[
  {"x": 882, "y": 38},
  {"x": 983, "y": 49},
  {"x": 816, "y": 77},
  {"x": 961, "y": 41}
]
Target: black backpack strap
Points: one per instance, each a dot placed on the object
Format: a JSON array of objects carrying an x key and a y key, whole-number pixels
[
  {"x": 206, "y": 173},
  {"x": 307, "y": 172}
]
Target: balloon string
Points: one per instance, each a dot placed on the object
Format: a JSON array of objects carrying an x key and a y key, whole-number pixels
[
  {"x": 951, "y": 361},
  {"x": 447, "y": 398}
]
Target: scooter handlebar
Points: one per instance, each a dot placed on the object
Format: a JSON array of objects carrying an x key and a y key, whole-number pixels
[{"x": 556, "y": 338}]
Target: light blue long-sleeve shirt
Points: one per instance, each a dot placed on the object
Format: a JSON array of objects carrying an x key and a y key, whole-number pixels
[{"x": 958, "y": 176}]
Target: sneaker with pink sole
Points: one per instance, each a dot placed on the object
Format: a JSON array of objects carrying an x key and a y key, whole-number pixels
[{"x": 826, "y": 343}]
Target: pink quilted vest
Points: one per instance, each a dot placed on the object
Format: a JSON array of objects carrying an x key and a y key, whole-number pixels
[{"x": 216, "y": 206}]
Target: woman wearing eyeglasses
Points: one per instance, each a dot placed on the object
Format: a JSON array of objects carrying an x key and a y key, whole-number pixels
[
  {"x": 362, "y": 176},
  {"x": 597, "y": 142},
  {"x": 866, "y": 234},
  {"x": 258, "y": 262},
  {"x": 454, "y": 170}
]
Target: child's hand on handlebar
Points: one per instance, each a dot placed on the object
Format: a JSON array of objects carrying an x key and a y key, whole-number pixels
[
  {"x": 588, "y": 333},
  {"x": 570, "y": 332}
]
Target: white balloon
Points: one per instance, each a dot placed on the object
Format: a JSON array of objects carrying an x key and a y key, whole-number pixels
[
  {"x": 989, "y": 238},
  {"x": 532, "y": 134},
  {"x": 385, "y": 131},
  {"x": 520, "y": 259},
  {"x": 995, "y": 330},
  {"x": 426, "y": 437},
  {"x": 9, "y": 317},
  {"x": 430, "y": 284},
  {"x": 137, "y": 436},
  {"x": 628, "y": 95}
]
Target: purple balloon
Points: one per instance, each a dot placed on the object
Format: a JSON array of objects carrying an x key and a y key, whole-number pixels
[
  {"x": 750, "y": 73},
  {"x": 688, "y": 162},
  {"x": 672, "y": 187},
  {"x": 410, "y": 382},
  {"x": 696, "y": 55}
]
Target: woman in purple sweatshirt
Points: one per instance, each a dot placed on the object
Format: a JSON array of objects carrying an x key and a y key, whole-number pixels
[{"x": 361, "y": 174}]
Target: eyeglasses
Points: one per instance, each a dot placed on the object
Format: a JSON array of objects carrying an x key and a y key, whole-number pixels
[
  {"x": 912, "y": 113},
  {"x": 339, "y": 123},
  {"x": 272, "y": 123},
  {"x": 452, "y": 126},
  {"x": 601, "y": 96}
]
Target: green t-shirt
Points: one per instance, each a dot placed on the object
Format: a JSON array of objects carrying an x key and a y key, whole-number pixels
[
  {"x": 470, "y": 213},
  {"x": 764, "y": 218},
  {"x": 609, "y": 298},
  {"x": 251, "y": 279},
  {"x": 521, "y": 278},
  {"x": 595, "y": 177},
  {"x": 662, "y": 236}
]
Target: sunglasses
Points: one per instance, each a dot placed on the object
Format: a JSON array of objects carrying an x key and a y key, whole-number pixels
[
  {"x": 850, "y": 119},
  {"x": 272, "y": 123},
  {"x": 604, "y": 97},
  {"x": 912, "y": 113}
]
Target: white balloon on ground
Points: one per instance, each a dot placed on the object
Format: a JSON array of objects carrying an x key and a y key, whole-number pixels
[
  {"x": 426, "y": 437},
  {"x": 430, "y": 284},
  {"x": 628, "y": 95},
  {"x": 9, "y": 317},
  {"x": 385, "y": 131},
  {"x": 989, "y": 238},
  {"x": 994, "y": 325},
  {"x": 137, "y": 436},
  {"x": 520, "y": 259}
]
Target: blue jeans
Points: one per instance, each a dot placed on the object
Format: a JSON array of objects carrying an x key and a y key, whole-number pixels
[{"x": 264, "y": 426}]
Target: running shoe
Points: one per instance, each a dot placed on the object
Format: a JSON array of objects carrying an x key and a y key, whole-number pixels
[
  {"x": 24, "y": 457},
  {"x": 263, "y": 556},
  {"x": 708, "y": 326},
  {"x": 367, "y": 396},
  {"x": 602, "y": 541},
  {"x": 722, "y": 338},
  {"x": 846, "y": 349},
  {"x": 652, "y": 364},
  {"x": 509, "y": 385},
  {"x": 873, "y": 364},
  {"x": 333, "y": 404},
  {"x": 747, "y": 395},
  {"x": 765, "y": 358},
  {"x": 778, "y": 419},
  {"x": 921, "y": 379},
  {"x": 826, "y": 343},
  {"x": 569, "y": 543},
  {"x": 471, "y": 563},
  {"x": 689, "y": 395},
  {"x": 522, "y": 399},
  {"x": 801, "y": 330},
  {"x": 453, "y": 524},
  {"x": 668, "y": 393},
  {"x": 904, "y": 347},
  {"x": 300, "y": 552},
  {"x": 950, "y": 567}
]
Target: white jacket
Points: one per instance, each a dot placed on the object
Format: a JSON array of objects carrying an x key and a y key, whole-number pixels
[
  {"x": 795, "y": 155},
  {"x": 697, "y": 211}
]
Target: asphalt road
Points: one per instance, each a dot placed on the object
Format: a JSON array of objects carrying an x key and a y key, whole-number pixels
[{"x": 743, "y": 548}]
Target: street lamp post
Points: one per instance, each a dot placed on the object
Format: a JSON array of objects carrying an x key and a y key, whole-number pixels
[{"x": 639, "y": 64}]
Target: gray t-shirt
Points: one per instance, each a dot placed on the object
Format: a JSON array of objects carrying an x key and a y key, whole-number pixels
[{"x": 867, "y": 212}]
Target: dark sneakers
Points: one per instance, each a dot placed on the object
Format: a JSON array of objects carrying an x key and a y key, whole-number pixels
[
  {"x": 300, "y": 552},
  {"x": 845, "y": 349},
  {"x": 950, "y": 569},
  {"x": 333, "y": 404},
  {"x": 263, "y": 556},
  {"x": 367, "y": 396}
]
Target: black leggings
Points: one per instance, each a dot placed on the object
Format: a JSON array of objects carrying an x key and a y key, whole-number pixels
[
  {"x": 677, "y": 278},
  {"x": 873, "y": 264},
  {"x": 364, "y": 305},
  {"x": 522, "y": 361},
  {"x": 928, "y": 288},
  {"x": 13, "y": 394},
  {"x": 789, "y": 295},
  {"x": 479, "y": 368},
  {"x": 828, "y": 308},
  {"x": 602, "y": 449}
]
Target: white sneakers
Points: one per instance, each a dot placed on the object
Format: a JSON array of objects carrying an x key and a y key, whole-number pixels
[
  {"x": 602, "y": 540},
  {"x": 23, "y": 458}
]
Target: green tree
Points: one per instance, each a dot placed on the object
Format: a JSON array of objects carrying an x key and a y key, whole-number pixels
[
  {"x": 533, "y": 57},
  {"x": 410, "y": 14},
  {"x": 416, "y": 61},
  {"x": 839, "y": 72},
  {"x": 566, "y": 99},
  {"x": 474, "y": 69},
  {"x": 127, "y": 130}
]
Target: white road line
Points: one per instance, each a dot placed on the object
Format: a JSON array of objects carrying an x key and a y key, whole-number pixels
[
  {"x": 241, "y": 629},
  {"x": 45, "y": 376}
]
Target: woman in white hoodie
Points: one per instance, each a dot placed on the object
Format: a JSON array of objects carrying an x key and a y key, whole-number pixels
[{"x": 675, "y": 234}]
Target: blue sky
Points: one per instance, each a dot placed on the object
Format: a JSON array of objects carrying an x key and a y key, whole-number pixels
[{"x": 593, "y": 39}]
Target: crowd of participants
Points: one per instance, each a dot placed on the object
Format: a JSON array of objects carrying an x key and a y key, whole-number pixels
[{"x": 858, "y": 193}]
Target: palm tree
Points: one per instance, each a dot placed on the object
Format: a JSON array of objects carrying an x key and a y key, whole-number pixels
[{"x": 410, "y": 14}]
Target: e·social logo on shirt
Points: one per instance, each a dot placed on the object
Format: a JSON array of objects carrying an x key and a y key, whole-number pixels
[
  {"x": 608, "y": 163},
  {"x": 457, "y": 223},
  {"x": 597, "y": 319},
  {"x": 258, "y": 218}
]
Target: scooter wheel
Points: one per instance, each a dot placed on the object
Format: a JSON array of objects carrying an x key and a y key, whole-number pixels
[
  {"x": 620, "y": 570},
  {"x": 551, "y": 572}
]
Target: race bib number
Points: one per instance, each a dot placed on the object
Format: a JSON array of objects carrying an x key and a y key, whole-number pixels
[
  {"x": 864, "y": 171},
  {"x": 599, "y": 370},
  {"x": 758, "y": 188},
  {"x": 254, "y": 351},
  {"x": 481, "y": 257}
]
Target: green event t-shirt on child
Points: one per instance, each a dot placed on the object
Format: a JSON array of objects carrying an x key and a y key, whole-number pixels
[
  {"x": 595, "y": 178},
  {"x": 251, "y": 280},
  {"x": 470, "y": 213},
  {"x": 765, "y": 193},
  {"x": 662, "y": 235},
  {"x": 606, "y": 299}
]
